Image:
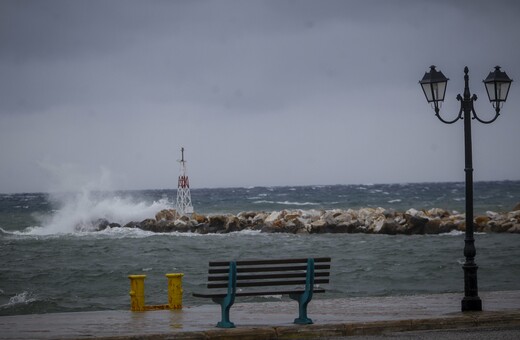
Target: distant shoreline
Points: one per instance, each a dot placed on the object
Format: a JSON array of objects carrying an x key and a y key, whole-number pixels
[{"x": 195, "y": 188}]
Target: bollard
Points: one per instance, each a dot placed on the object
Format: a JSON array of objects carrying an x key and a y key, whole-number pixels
[
  {"x": 175, "y": 290},
  {"x": 137, "y": 293}
]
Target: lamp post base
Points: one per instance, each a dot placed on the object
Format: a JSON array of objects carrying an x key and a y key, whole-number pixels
[
  {"x": 471, "y": 300},
  {"x": 471, "y": 303}
]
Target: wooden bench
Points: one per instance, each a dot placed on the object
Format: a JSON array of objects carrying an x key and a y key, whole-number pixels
[{"x": 297, "y": 278}]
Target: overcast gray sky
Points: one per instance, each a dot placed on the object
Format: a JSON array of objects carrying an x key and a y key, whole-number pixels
[{"x": 258, "y": 92}]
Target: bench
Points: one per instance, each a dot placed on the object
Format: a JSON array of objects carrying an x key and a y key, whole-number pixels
[{"x": 297, "y": 278}]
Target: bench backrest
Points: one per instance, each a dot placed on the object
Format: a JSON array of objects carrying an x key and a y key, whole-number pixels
[{"x": 278, "y": 272}]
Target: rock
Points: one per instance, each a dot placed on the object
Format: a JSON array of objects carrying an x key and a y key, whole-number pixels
[
  {"x": 292, "y": 216},
  {"x": 514, "y": 215},
  {"x": 132, "y": 225},
  {"x": 343, "y": 218},
  {"x": 378, "y": 224},
  {"x": 312, "y": 214},
  {"x": 275, "y": 215},
  {"x": 514, "y": 229},
  {"x": 247, "y": 215},
  {"x": 436, "y": 212},
  {"x": 318, "y": 226},
  {"x": 100, "y": 224},
  {"x": 232, "y": 224},
  {"x": 165, "y": 226},
  {"x": 492, "y": 215},
  {"x": 217, "y": 223},
  {"x": 184, "y": 218},
  {"x": 481, "y": 224},
  {"x": 389, "y": 227},
  {"x": 259, "y": 218},
  {"x": 335, "y": 228},
  {"x": 380, "y": 211},
  {"x": 415, "y": 224},
  {"x": 328, "y": 217},
  {"x": 148, "y": 224},
  {"x": 501, "y": 228},
  {"x": 400, "y": 219},
  {"x": 415, "y": 213},
  {"x": 291, "y": 226},
  {"x": 302, "y": 232},
  {"x": 166, "y": 214},
  {"x": 482, "y": 220},
  {"x": 353, "y": 227},
  {"x": 202, "y": 229},
  {"x": 447, "y": 226},
  {"x": 277, "y": 226},
  {"x": 181, "y": 226},
  {"x": 517, "y": 207},
  {"x": 199, "y": 218},
  {"x": 433, "y": 227}
]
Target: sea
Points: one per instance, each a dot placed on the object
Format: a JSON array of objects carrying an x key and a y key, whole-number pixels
[{"x": 52, "y": 261}]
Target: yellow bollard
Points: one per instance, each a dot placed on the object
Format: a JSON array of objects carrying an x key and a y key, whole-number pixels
[
  {"x": 175, "y": 290},
  {"x": 137, "y": 292}
]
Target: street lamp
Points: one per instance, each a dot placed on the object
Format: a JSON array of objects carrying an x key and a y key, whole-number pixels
[{"x": 497, "y": 85}]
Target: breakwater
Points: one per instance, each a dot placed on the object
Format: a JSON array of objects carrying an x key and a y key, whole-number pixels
[{"x": 363, "y": 220}]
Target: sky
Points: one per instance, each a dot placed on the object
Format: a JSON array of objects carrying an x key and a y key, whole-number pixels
[{"x": 259, "y": 93}]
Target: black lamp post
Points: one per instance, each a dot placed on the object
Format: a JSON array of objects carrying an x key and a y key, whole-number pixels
[{"x": 497, "y": 86}]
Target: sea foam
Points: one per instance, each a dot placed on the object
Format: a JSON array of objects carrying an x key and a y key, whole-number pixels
[
  {"x": 19, "y": 299},
  {"x": 285, "y": 202},
  {"x": 78, "y": 212}
]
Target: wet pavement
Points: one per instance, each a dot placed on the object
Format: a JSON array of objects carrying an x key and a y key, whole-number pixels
[{"x": 272, "y": 320}]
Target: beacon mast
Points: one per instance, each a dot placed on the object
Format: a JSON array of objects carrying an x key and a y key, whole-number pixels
[{"x": 183, "y": 189}]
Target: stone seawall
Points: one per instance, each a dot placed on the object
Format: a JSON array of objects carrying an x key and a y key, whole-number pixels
[{"x": 364, "y": 220}]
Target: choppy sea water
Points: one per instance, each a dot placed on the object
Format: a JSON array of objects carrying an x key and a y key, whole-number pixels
[{"x": 48, "y": 265}]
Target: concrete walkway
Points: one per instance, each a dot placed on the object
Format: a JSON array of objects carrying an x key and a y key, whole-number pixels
[{"x": 272, "y": 320}]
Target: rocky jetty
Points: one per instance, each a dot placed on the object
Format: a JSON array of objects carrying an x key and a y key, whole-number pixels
[{"x": 364, "y": 220}]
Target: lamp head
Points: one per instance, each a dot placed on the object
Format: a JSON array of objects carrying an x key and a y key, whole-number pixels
[
  {"x": 434, "y": 85},
  {"x": 497, "y": 86}
]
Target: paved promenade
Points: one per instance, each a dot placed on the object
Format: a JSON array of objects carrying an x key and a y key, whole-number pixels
[{"x": 273, "y": 320}]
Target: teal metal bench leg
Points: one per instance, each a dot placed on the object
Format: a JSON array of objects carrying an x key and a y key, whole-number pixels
[
  {"x": 304, "y": 298},
  {"x": 302, "y": 318},
  {"x": 225, "y": 306},
  {"x": 227, "y": 302}
]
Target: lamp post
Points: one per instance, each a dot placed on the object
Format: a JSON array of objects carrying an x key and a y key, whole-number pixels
[{"x": 497, "y": 85}]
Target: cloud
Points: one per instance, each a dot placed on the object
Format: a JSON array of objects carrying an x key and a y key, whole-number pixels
[{"x": 259, "y": 93}]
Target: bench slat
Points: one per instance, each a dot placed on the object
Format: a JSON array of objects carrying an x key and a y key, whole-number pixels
[
  {"x": 266, "y": 276},
  {"x": 264, "y": 262},
  {"x": 225, "y": 269},
  {"x": 265, "y": 283},
  {"x": 255, "y": 293}
]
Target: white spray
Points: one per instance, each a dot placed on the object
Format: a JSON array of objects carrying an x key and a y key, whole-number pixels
[{"x": 78, "y": 209}]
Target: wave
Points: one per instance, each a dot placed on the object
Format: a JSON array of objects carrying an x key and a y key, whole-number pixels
[
  {"x": 79, "y": 212},
  {"x": 116, "y": 233},
  {"x": 121, "y": 232},
  {"x": 453, "y": 233},
  {"x": 285, "y": 203},
  {"x": 23, "y": 298}
]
